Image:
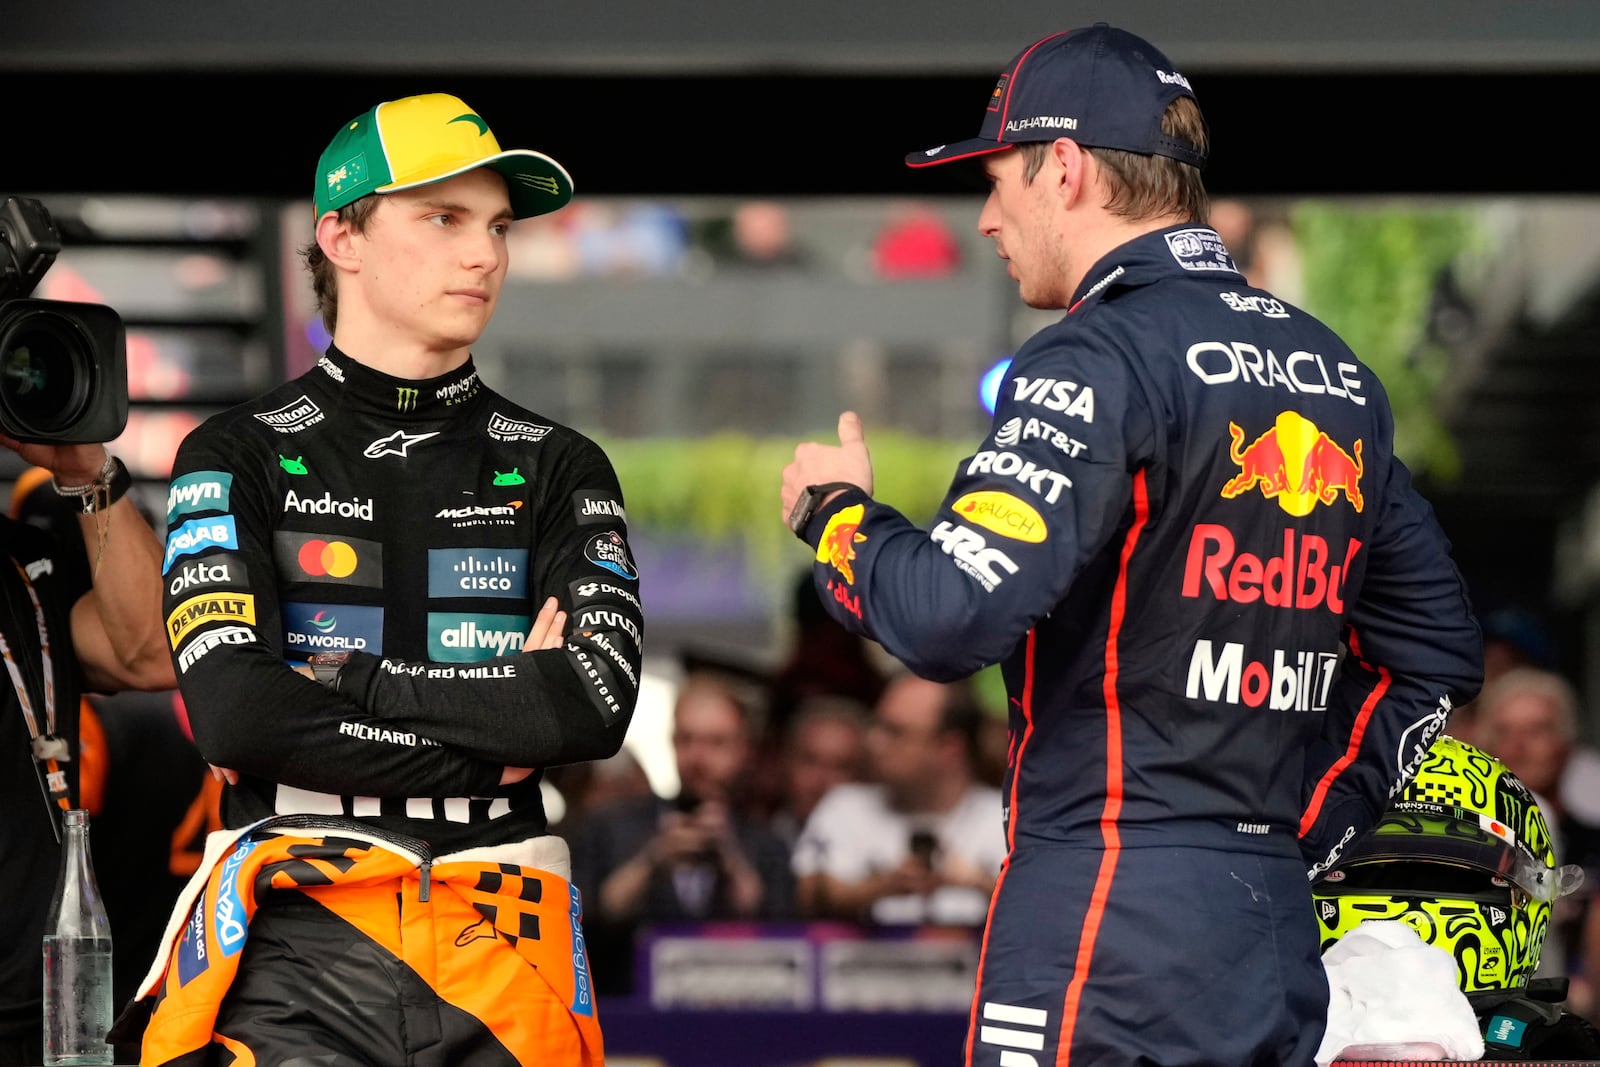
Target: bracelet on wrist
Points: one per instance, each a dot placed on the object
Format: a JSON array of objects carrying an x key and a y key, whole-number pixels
[{"x": 108, "y": 487}]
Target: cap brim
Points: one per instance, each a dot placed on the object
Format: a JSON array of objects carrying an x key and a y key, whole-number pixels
[
  {"x": 535, "y": 183},
  {"x": 951, "y": 153}
]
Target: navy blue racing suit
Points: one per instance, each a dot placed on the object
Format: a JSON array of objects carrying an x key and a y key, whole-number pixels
[{"x": 1229, "y": 628}]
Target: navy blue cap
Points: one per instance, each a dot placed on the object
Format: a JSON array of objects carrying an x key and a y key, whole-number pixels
[{"x": 1098, "y": 85}]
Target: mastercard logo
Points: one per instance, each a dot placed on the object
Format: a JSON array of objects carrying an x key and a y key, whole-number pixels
[
  {"x": 328, "y": 559},
  {"x": 309, "y": 557}
]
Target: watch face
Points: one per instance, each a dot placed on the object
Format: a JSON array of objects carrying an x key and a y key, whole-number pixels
[{"x": 804, "y": 505}]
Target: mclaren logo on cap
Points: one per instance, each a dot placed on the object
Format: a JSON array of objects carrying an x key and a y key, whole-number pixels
[{"x": 483, "y": 127}]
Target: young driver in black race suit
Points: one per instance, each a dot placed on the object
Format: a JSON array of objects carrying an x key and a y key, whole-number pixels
[
  {"x": 392, "y": 595},
  {"x": 1229, "y": 626}
]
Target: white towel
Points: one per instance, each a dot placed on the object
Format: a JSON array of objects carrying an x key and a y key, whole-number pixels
[{"x": 1392, "y": 995}]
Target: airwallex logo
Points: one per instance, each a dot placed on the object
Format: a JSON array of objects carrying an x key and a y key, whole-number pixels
[{"x": 454, "y": 638}]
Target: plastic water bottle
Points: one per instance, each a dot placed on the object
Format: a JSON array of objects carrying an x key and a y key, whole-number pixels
[{"x": 77, "y": 959}]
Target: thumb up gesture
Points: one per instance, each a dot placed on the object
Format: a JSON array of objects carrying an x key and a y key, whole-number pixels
[{"x": 816, "y": 463}]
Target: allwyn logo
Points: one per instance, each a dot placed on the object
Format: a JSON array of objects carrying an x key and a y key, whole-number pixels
[
  {"x": 469, "y": 638},
  {"x": 202, "y": 489}
]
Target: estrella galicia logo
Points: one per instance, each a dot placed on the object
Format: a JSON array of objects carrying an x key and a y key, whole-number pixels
[
  {"x": 496, "y": 572},
  {"x": 610, "y": 551},
  {"x": 198, "y": 491},
  {"x": 197, "y": 535},
  {"x": 405, "y": 398},
  {"x": 311, "y": 627}
]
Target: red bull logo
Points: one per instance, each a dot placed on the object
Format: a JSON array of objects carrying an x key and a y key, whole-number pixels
[
  {"x": 1296, "y": 464},
  {"x": 839, "y": 539}
]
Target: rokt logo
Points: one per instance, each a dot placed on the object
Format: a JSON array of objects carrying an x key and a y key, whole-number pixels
[{"x": 1295, "y": 463}]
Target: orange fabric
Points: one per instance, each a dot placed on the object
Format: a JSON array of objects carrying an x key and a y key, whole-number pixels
[
  {"x": 203, "y": 817},
  {"x": 93, "y": 761},
  {"x": 496, "y": 940}
]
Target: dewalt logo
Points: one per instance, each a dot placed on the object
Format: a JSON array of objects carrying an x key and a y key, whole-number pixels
[{"x": 405, "y": 398}]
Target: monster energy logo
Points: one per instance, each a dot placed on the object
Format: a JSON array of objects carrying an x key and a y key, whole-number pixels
[{"x": 405, "y": 399}]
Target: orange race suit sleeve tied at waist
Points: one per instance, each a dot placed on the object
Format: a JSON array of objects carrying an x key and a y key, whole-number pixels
[{"x": 458, "y": 916}]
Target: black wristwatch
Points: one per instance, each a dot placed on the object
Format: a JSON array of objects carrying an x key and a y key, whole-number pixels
[
  {"x": 810, "y": 499},
  {"x": 325, "y": 665}
]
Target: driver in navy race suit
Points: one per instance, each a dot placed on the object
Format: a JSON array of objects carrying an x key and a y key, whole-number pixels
[{"x": 1230, "y": 628}]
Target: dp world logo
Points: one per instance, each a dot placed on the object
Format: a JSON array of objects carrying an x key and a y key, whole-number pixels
[{"x": 405, "y": 398}]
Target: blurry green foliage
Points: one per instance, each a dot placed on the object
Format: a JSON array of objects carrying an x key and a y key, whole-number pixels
[
  {"x": 1369, "y": 271},
  {"x": 724, "y": 488}
]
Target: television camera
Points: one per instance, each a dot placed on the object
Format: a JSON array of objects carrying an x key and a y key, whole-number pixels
[{"x": 63, "y": 364}]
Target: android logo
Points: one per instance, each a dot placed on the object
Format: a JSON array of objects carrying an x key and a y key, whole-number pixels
[
  {"x": 509, "y": 479},
  {"x": 293, "y": 466}
]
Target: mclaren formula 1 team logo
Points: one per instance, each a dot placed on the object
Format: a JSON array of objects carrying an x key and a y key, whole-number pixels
[{"x": 1296, "y": 464}]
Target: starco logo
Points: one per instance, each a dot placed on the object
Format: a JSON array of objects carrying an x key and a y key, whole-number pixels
[{"x": 405, "y": 398}]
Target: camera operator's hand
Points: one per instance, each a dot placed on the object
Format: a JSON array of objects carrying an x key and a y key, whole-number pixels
[
  {"x": 117, "y": 628},
  {"x": 69, "y": 464}
]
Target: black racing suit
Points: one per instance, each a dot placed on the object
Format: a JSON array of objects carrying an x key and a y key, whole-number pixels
[
  {"x": 417, "y": 525},
  {"x": 1229, "y": 628},
  {"x": 30, "y": 852}
]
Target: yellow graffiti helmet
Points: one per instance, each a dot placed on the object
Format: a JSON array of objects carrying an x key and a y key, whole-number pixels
[{"x": 1465, "y": 858}]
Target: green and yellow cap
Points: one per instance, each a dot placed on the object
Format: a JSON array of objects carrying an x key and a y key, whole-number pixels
[{"x": 401, "y": 144}]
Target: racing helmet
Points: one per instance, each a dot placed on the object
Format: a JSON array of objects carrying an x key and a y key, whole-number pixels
[{"x": 1464, "y": 858}]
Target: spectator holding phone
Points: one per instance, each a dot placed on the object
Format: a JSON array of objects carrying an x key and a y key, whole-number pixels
[
  {"x": 690, "y": 858},
  {"x": 922, "y": 842}
]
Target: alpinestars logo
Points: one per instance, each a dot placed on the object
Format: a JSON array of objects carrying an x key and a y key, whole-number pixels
[
  {"x": 405, "y": 398},
  {"x": 396, "y": 444}
]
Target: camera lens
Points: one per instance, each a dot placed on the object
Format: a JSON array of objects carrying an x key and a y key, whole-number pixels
[{"x": 46, "y": 367}]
